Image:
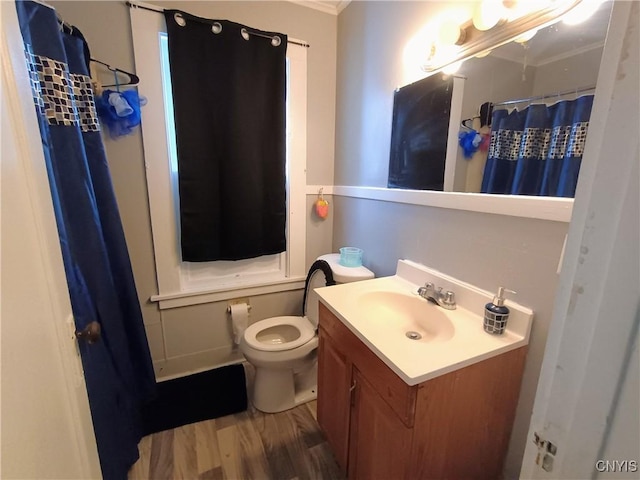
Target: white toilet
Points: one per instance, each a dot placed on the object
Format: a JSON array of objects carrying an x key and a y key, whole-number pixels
[{"x": 283, "y": 350}]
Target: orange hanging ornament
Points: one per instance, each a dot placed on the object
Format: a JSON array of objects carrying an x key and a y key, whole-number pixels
[{"x": 321, "y": 206}]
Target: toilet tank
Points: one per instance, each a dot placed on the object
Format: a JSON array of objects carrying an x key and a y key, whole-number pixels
[{"x": 341, "y": 274}]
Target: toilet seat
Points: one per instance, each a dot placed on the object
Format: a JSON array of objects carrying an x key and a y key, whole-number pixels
[{"x": 299, "y": 328}]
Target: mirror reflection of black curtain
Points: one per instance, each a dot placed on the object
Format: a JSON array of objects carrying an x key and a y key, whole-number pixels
[
  {"x": 419, "y": 134},
  {"x": 229, "y": 93}
]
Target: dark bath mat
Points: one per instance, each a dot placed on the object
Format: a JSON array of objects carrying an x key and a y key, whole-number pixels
[{"x": 197, "y": 397}]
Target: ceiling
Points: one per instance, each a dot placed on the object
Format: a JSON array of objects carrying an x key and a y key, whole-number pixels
[{"x": 560, "y": 40}]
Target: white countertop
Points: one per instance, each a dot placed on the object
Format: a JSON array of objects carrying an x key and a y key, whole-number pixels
[{"x": 418, "y": 361}]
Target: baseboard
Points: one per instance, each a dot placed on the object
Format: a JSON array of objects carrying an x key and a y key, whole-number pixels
[{"x": 197, "y": 362}]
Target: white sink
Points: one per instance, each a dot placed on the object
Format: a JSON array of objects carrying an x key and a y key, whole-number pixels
[
  {"x": 408, "y": 316},
  {"x": 416, "y": 338}
]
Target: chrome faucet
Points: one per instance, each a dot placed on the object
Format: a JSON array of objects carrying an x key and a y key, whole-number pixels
[{"x": 446, "y": 299}]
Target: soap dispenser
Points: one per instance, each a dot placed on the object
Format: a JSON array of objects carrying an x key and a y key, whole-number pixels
[{"x": 496, "y": 313}]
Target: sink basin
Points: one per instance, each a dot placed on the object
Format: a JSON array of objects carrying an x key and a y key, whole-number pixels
[
  {"x": 415, "y": 338},
  {"x": 408, "y": 316}
]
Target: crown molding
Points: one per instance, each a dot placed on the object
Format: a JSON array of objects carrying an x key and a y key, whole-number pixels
[
  {"x": 342, "y": 5},
  {"x": 332, "y": 7}
]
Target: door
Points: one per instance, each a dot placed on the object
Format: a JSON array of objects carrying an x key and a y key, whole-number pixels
[
  {"x": 587, "y": 401},
  {"x": 112, "y": 341},
  {"x": 46, "y": 423}
]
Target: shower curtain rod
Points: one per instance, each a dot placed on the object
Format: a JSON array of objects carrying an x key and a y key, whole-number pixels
[
  {"x": 159, "y": 10},
  {"x": 542, "y": 97}
]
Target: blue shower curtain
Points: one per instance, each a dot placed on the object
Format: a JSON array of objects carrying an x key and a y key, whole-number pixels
[
  {"x": 538, "y": 150},
  {"x": 118, "y": 369}
]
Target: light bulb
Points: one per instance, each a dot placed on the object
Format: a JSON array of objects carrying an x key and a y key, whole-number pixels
[
  {"x": 581, "y": 12},
  {"x": 418, "y": 54},
  {"x": 449, "y": 32},
  {"x": 487, "y": 14},
  {"x": 519, "y": 8}
]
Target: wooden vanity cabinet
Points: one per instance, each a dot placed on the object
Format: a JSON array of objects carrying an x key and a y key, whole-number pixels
[
  {"x": 454, "y": 426},
  {"x": 378, "y": 440},
  {"x": 334, "y": 397}
]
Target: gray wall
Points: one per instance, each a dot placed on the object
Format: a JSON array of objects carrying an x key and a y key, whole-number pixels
[
  {"x": 483, "y": 249},
  {"x": 580, "y": 70},
  {"x": 189, "y": 338}
]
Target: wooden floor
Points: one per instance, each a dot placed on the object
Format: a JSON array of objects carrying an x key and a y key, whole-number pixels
[{"x": 247, "y": 445}]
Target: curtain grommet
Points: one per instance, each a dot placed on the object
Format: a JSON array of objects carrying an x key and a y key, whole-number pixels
[
  {"x": 244, "y": 33},
  {"x": 179, "y": 19},
  {"x": 276, "y": 41},
  {"x": 216, "y": 27}
]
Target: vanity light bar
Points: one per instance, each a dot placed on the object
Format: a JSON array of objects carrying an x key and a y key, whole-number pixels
[{"x": 478, "y": 41}]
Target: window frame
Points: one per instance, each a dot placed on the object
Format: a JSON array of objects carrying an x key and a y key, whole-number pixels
[{"x": 175, "y": 288}]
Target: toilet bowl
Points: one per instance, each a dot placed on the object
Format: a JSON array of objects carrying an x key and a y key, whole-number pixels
[
  {"x": 283, "y": 352},
  {"x": 283, "y": 349}
]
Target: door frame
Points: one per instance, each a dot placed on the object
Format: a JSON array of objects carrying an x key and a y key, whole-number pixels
[
  {"x": 55, "y": 394},
  {"x": 596, "y": 312}
]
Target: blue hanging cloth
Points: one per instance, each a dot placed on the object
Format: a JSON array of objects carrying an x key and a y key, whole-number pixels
[
  {"x": 120, "y": 111},
  {"x": 118, "y": 369},
  {"x": 538, "y": 150}
]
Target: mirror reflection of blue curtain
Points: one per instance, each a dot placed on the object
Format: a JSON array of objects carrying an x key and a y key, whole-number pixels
[
  {"x": 538, "y": 150},
  {"x": 117, "y": 367}
]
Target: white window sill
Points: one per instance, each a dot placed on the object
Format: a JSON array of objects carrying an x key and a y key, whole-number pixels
[{"x": 226, "y": 292}]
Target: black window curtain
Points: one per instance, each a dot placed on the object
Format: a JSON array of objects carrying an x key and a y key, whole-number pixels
[{"x": 229, "y": 95}]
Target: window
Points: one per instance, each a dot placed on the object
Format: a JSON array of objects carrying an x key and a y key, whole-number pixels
[{"x": 182, "y": 283}]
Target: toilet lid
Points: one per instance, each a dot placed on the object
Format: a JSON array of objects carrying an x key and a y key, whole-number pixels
[{"x": 279, "y": 333}]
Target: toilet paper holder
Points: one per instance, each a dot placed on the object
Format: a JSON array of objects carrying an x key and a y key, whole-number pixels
[
  {"x": 235, "y": 302},
  {"x": 238, "y": 311}
]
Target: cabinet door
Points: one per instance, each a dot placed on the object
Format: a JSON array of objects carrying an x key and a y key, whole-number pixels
[
  {"x": 334, "y": 403},
  {"x": 380, "y": 442}
]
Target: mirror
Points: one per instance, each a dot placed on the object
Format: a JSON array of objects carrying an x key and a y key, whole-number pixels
[{"x": 561, "y": 62}]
